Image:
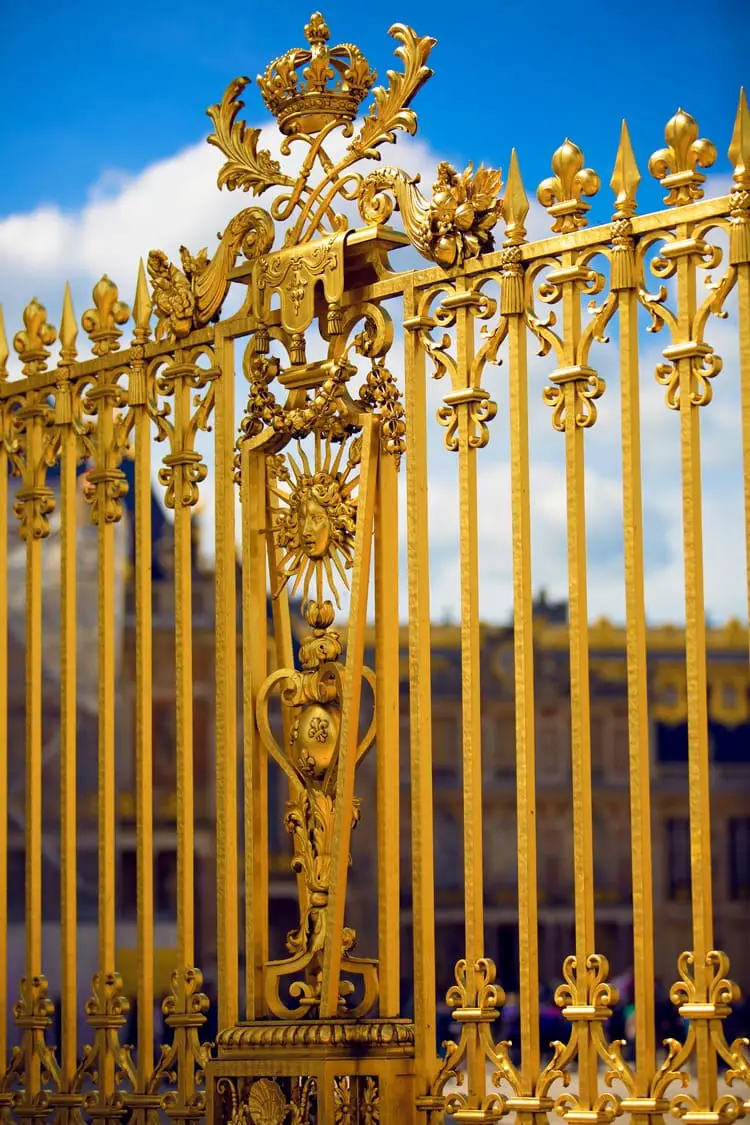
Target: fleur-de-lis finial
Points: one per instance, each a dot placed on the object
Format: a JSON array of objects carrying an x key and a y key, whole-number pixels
[
  {"x": 68, "y": 330},
  {"x": 32, "y": 343},
  {"x": 675, "y": 166},
  {"x": 100, "y": 323},
  {"x": 625, "y": 177},
  {"x": 515, "y": 205},
  {"x": 4, "y": 352},
  {"x": 739, "y": 147},
  {"x": 561, "y": 194}
]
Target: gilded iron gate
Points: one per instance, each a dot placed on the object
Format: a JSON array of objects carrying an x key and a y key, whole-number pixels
[{"x": 316, "y": 457}]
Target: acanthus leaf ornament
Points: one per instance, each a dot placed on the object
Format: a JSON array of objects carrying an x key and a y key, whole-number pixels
[
  {"x": 246, "y": 167},
  {"x": 192, "y": 297},
  {"x": 389, "y": 111}
]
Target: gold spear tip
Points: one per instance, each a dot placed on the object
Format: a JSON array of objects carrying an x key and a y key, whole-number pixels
[
  {"x": 625, "y": 177},
  {"x": 739, "y": 146},
  {"x": 68, "y": 328},
  {"x": 4, "y": 351},
  {"x": 142, "y": 303},
  {"x": 515, "y": 206}
]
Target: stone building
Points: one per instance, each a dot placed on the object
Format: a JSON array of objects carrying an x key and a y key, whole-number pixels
[{"x": 729, "y": 714}]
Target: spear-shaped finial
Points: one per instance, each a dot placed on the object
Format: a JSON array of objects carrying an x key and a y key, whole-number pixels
[
  {"x": 515, "y": 204},
  {"x": 739, "y": 147},
  {"x": 142, "y": 305},
  {"x": 4, "y": 352},
  {"x": 68, "y": 330},
  {"x": 625, "y": 177},
  {"x": 739, "y": 203}
]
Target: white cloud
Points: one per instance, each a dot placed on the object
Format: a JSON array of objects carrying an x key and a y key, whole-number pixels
[{"x": 175, "y": 201}]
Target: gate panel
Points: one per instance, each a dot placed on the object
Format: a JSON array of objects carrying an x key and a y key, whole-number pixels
[{"x": 306, "y": 516}]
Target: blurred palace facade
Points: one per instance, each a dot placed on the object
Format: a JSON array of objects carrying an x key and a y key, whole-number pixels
[{"x": 729, "y": 715}]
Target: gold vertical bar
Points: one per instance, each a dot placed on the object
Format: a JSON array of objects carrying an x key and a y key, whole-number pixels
[
  {"x": 420, "y": 693},
  {"x": 254, "y": 657},
  {"x": 106, "y": 768},
  {"x": 34, "y": 820},
  {"x": 471, "y": 696},
  {"x": 68, "y": 673},
  {"x": 342, "y": 817},
  {"x": 743, "y": 312},
  {"x": 638, "y": 717},
  {"x": 226, "y": 693},
  {"x": 183, "y": 607},
  {"x": 143, "y": 741},
  {"x": 695, "y": 667},
  {"x": 4, "y": 468},
  {"x": 523, "y": 653},
  {"x": 387, "y": 726},
  {"x": 580, "y": 718}
]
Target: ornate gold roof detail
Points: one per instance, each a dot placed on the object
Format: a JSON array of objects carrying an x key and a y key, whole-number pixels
[{"x": 335, "y": 80}]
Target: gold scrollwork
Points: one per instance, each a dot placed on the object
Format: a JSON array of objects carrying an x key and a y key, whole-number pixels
[
  {"x": 183, "y": 468},
  {"x": 192, "y": 297}
]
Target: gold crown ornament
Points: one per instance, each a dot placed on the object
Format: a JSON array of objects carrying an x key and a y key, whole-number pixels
[{"x": 335, "y": 81}]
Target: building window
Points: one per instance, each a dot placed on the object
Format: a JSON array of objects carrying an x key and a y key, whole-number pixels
[
  {"x": 446, "y": 749},
  {"x": 128, "y": 884},
  {"x": 678, "y": 859},
  {"x": 165, "y": 897},
  {"x": 672, "y": 742},
  {"x": 16, "y": 885},
  {"x": 739, "y": 858}
]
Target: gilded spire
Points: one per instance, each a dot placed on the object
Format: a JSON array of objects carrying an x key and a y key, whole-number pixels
[
  {"x": 739, "y": 148},
  {"x": 68, "y": 329},
  {"x": 142, "y": 304},
  {"x": 625, "y": 177},
  {"x": 515, "y": 206},
  {"x": 4, "y": 352}
]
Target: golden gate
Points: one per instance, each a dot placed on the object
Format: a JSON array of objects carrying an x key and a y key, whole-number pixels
[{"x": 315, "y": 457}]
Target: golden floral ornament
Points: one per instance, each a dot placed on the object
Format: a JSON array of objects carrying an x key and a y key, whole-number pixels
[
  {"x": 455, "y": 224},
  {"x": 193, "y": 296},
  {"x": 561, "y": 194},
  {"x": 676, "y": 165},
  {"x": 316, "y": 520}
]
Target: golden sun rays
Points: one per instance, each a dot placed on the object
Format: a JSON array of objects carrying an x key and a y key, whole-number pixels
[{"x": 316, "y": 516}]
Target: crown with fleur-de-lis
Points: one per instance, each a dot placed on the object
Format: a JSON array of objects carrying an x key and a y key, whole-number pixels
[{"x": 335, "y": 80}]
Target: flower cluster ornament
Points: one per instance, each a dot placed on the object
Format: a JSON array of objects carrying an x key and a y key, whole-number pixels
[{"x": 455, "y": 224}]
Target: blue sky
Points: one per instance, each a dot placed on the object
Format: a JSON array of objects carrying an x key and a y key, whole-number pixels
[
  {"x": 102, "y": 126},
  {"x": 90, "y": 90}
]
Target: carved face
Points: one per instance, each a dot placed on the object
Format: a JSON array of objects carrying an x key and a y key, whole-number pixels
[
  {"x": 316, "y": 519},
  {"x": 314, "y": 528}
]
